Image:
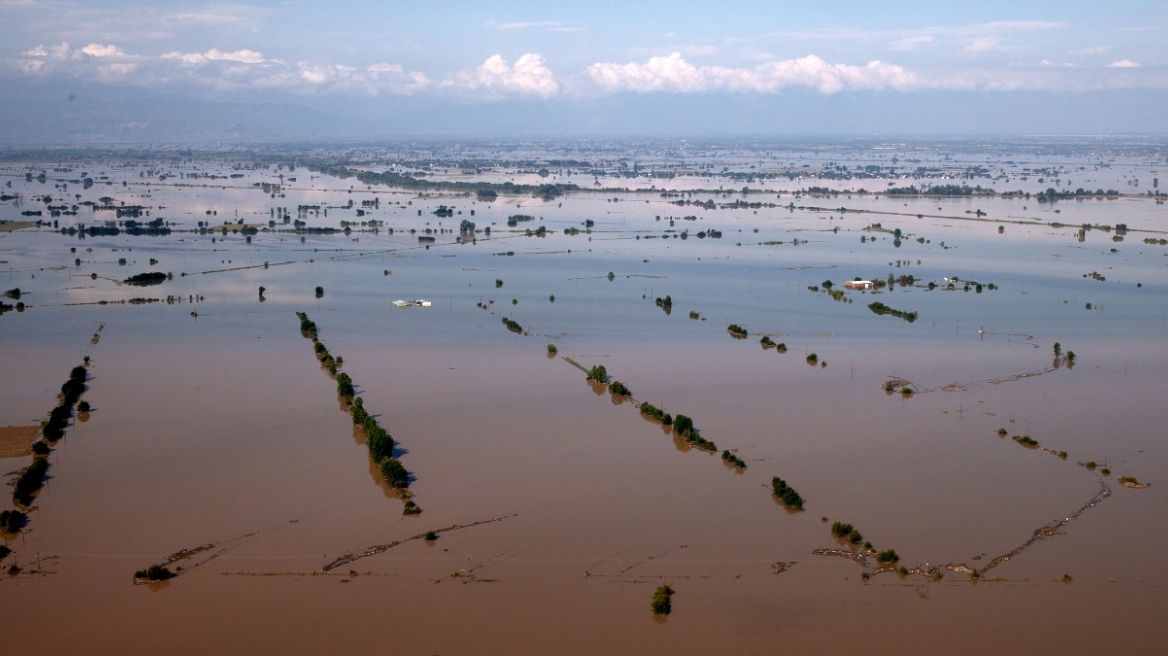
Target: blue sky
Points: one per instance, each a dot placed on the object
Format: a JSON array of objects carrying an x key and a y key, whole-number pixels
[{"x": 328, "y": 53}]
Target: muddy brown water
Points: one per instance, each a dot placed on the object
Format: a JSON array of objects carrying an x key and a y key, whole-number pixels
[{"x": 223, "y": 429}]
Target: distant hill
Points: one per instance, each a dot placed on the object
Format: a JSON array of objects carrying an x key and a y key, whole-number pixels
[{"x": 94, "y": 114}]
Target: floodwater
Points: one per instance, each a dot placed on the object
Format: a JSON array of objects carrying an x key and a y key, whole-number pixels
[{"x": 213, "y": 423}]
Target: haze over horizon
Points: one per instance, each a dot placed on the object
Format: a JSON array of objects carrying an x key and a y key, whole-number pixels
[{"x": 298, "y": 70}]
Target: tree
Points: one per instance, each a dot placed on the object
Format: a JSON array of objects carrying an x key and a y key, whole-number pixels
[
  {"x": 662, "y": 604},
  {"x": 345, "y": 386},
  {"x": 1058, "y": 349},
  {"x": 598, "y": 374},
  {"x": 395, "y": 474}
]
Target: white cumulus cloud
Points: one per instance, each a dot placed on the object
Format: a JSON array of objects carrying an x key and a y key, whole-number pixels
[
  {"x": 99, "y": 50},
  {"x": 674, "y": 74},
  {"x": 1124, "y": 63},
  {"x": 214, "y": 54},
  {"x": 241, "y": 56},
  {"x": 528, "y": 76}
]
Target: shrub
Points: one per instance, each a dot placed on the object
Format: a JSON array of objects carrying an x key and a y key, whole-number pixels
[
  {"x": 662, "y": 604},
  {"x": 618, "y": 388},
  {"x": 551, "y": 348},
  {"x": 736, "y": 330},
  {"x": 319, "y": 292},
  {"x": 430, "y": 536},
  {"x": 887, "y": 556},
  {"x": 766, "y": 341},
  {"x": 1025, "y": 440},
  {"x": 154, "y": 573},
  {"x": 40, "y": 448},
  {"x": 83, "y": 406},
  {"x": 394, "y": 473},
  {"x": 512, "y": 326},
  {"x": 813, "y": 358}
]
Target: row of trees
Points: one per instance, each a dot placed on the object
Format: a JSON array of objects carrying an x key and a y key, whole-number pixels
[{"x": 379, "y": 441}]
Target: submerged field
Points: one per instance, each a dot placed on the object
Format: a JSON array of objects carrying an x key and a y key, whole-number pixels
[{"x": 219, "y": 444}]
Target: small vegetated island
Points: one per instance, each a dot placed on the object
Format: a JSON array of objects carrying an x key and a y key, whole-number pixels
[
  {"x": 1132, "y": 482},
  {"x": 378, "y": 440},
  {"x": 736, "y": 331},
  {"x": 146, "y": 279},
  {"x": 786, "y": 493},
  {"x": 1026, "y": 441},
  {"x": 733, "y": 460},
  {"x": 513, "y": 326},
  {"x": 880, "y": 308}
]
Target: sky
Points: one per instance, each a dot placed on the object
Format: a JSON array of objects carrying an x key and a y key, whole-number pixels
[{"x": 626, "y": 59}]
